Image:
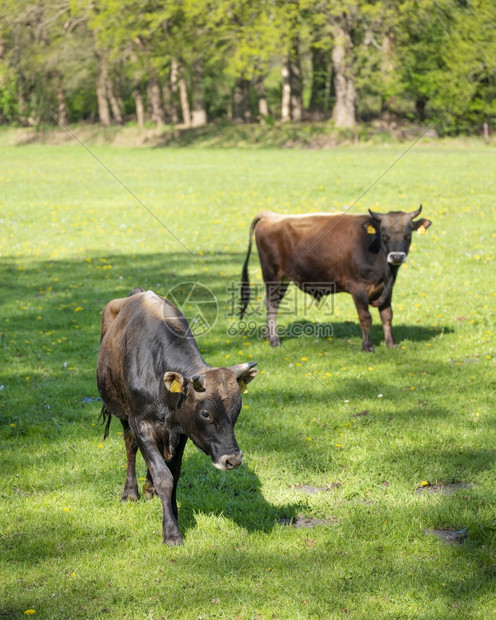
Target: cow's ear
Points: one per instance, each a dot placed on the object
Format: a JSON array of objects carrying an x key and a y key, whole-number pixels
[
  {"x": 371, "y": 227},
  {"x": 175, "y": 383},
  {"x": 421, "y": 226},
  {"x": 244, "y": 373}
]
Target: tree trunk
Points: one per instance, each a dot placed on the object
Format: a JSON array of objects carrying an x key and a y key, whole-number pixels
[
  {"x": 174, "y": 89},
  {"x": 21, "y": 101},
  {"x": 343, "y": 113},
  {"x": 387, "y": 68},
  {"x": 321, "y": 79},
  {"x": 183, "y": 95},
  {"x": 114, "y": 104},
  {"x": 238, "y": 101},
  {"x": 247, "y": 114},
  {"x": 101, "y": 93},
  {"x": 167, "y": 100},
  {"x": 61, "y": 105},
  {"x": 263, "y": 106},
  {"x": 241, "y": 96},
  {"x": 420, "y": 104},
  {"x": 485, "y": 131},
  {"x": 199, "y": 113},
  {"x": 139, "y": 105},
  {"x": 286, "y": 92},
  {"x": 155, "y": 101},
  {"x": 295, "y": 79},
  {"x": 387, "y": 46}
]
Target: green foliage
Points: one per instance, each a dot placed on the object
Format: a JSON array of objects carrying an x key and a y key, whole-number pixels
[
  {"x": 411, "y": 58},
  {"x": 8, "y": 94},
  {"x": 362, "y": 431},
  {"x": 470, "y": 68}
]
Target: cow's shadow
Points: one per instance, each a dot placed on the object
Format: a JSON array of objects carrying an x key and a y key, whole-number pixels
[
  {"x": 343, "y": 330},
  {"x": 235, "y": 495}
]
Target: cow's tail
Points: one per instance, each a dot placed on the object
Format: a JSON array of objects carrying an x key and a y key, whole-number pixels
[
  {"x": 245, "y": 278},
  {"x": 105, "y": 418}
]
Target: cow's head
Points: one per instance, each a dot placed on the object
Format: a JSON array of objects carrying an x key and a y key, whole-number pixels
[
  {"x": 207, "y": 406},
  {"x": 394, "y": 230}
]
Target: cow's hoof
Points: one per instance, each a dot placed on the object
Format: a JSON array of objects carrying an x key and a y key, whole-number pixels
[
  {"x": 129, "y": 496},
  {"x": 391, "y": 345},
  {"x": 275, "y": 342},
  {"x": 173, "y": 541},
  {"x": 368, "y": 348}
]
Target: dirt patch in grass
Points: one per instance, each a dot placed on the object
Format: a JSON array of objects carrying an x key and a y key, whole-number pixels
[
  {"x": 302, "y": 521},
  {"x": 444, "y": 489},
  {"x": 311, "y": 490},
  {"x": 449, "y": 536}
]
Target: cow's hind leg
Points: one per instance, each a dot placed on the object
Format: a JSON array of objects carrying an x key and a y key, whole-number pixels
[
  {"x": 131, "y": 484},
  {"x": 386, "y": 313},
  {"x": 274, "y": 292},
  {"x": 149, "y": 488},
  {"x": 362, "y": 306}
]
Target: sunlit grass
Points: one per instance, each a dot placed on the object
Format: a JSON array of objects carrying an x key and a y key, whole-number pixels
[{"x": 363, "y": 430}]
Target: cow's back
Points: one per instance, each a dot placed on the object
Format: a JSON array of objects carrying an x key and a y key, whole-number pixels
[
  {"x": 142, "y": 336},
  {"x": 318, "y": 247}
]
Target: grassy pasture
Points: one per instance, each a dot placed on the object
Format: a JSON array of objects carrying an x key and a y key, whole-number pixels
[{"x": 329, "y": 433}]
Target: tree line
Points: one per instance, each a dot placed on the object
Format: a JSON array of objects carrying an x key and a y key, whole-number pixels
[{"x": 191, "y": 62}]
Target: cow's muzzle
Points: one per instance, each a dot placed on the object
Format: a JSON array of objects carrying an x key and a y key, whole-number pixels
[
  {"x": 396, "y": 258},
  {"x": 229, "y": 461}
]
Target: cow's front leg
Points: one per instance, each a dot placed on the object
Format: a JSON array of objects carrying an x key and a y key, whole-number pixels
[
  {"x": 274, "y": 292},
  {"x": 362, "y": 306},
  {"x": 386, "y": 313},
  {"x": 163, "y": 482},
  {"x": 174, "y": 466},
  {"x": 131, "y": 484}
]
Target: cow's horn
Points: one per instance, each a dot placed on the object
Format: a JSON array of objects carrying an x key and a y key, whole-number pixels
[
  {"x": 240, "y": 369},
  {"x": 198, "y": 382},
  {"x": 414, "y": 214},
  {"x": 376, "y": 216}
]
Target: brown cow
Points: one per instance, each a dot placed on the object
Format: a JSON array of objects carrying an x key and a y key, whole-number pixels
[
  {"x": 358, "y": 254},
  {"x": 152, "y": 377}
]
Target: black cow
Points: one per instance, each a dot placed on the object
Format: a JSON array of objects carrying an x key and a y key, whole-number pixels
[
  {"x": 359, "y": 254},
  {"x": 152, "y": 377}
]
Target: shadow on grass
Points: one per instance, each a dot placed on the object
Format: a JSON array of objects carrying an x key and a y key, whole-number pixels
[
  {"x": 343, "y": 330},
  {"x": 50, "y": 336},
  {"x": 48, "y": 532},
  {"x": 234, "y": 495},
  {"x": 62, "y": 285},
  {"x": 346, "y": 561}
]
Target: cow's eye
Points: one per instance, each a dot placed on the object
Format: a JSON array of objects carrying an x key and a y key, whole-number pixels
[
  {"x": 408, "y": 237},
  {"x": 385, "y": 237},
  {"x": 205, "y": 414}
]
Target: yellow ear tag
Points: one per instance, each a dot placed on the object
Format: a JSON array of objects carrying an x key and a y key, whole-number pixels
[
  {"x": 370, "y": 230},
  {"x": 421, "y": 230},
  {"x": 175, "y": 386},
  {"x": 242, "y": 387}
]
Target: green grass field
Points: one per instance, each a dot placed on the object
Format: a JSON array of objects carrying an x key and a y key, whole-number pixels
[{"x": 332, "y": 437}]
